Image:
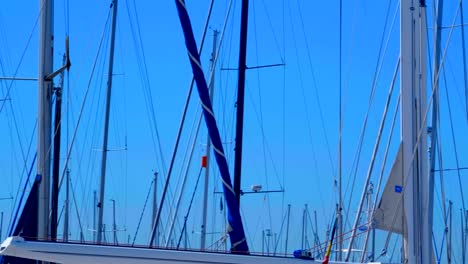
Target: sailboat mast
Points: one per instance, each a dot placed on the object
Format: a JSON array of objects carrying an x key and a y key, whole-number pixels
[
  {"x": 340, "y": 128},
  {"x": 240, "y": 98},
  {"x": 208, "y": 148},
  {"x": 287, "y": 232},
  {"x": 67, "y": 207},
  {"x": 155, "y": 205},
  {"x": 100, "y": 204},
  {"x": 418, "y": 229},
  {"x": 94, "y": 215},
  {"x": 1, "y": 225},
  {"x": 114, "y": 225},
  {"x": 449, "y": 239},
  {"x": 56, "y": 156},
  {"x": 45, "y": 87}
]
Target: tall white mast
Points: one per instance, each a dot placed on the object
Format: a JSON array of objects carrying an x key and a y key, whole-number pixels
[
  {"x": 418, "y": 230},
  {"x": 106, "y": 124},
  {"x": 208, "y": 149},
  {"x": 45, "y": 88}
]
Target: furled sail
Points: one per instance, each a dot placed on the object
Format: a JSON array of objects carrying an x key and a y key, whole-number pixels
[
  {"x": 389, "y": 214},
  {"x": 235, "y": 228}
]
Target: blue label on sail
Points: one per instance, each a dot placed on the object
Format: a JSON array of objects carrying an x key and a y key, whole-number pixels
[{"x": 398, "y": 188}]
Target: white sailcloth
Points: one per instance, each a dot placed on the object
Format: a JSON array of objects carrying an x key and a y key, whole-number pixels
[{"x": 389, "y": 213}]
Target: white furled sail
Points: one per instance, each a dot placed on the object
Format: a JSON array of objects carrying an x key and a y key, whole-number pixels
[{"x": 389, "y": 214}]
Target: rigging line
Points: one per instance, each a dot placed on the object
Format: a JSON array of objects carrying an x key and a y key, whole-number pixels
[
  {"x": 187, "y": 169},
  {"x": 24, "y": 157},
  {"x": 68, "y": 17},
  {"x": 193, "y": 130},
  {"x": 15, "y": 123},
  {"x": 438, "y": 73},
  {"x": 181, "y": 125},
  {"x": 278, "y": 239},
  {"x": 399, "y": 202},
  {"x": 283, "y": 112},
  {"x": 95, "y": 101},
  {"x": 190, "y": 207},
  {"x": 144, "y": 83},
  {"x": 437, "y": 20},
  {"x": 146, "y": 86},
  {"x": 250, "y": 242},
  {"x": 77, "y": 212},
  {"x": 22, "y": 57},
  {"x": 65, "y": 166},
  {"x": 314, "y": 86},
  {"x": 23, "y": 172},
  {"x": 382, "y": 170},
  {"x": 66, "y": 14},
  {"x": 371, "y": 165},
  {"x": 316, "y": 238},
  {"x": 440, "y": 160},
  {"x": 420, "y": 132},
  {"x": 465, "y": 78},
  {"x": 307, "y": 114},
  {"x": 454, "y": 142},
  {"x": 374, "y": 154},
  {"x": 272, "y": 31},
  {"x": 357, "y": 154},
  {"x": 223, "y": 96},
  {"x": 456, "y": 87},
  {"x": 339, "y": 218},
  {"x": 453, "y": 169},
  {"x": 350, "y": 54},
  {"x": 142, "y": 212},
  {"x": 13, "y": 219},
  {"x": 261, "y": 121}
]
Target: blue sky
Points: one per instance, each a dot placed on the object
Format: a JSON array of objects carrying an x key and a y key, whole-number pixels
[{"x": 287, "y": 144}]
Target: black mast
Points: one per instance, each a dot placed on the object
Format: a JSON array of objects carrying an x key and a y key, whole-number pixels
[
  {"x": 56, "y": 154},
  {"x": 240, "y": 99},
  {"x": 56, "y": 164}
]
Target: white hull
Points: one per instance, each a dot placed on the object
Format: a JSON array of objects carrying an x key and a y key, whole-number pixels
[{"x": 80, "y": 253}]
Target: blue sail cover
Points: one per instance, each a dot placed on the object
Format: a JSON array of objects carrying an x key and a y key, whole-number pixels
[{"x": 235, "y": 228}]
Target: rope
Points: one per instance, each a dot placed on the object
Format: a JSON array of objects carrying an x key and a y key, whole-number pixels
[{"x": 323, "y": 245}]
